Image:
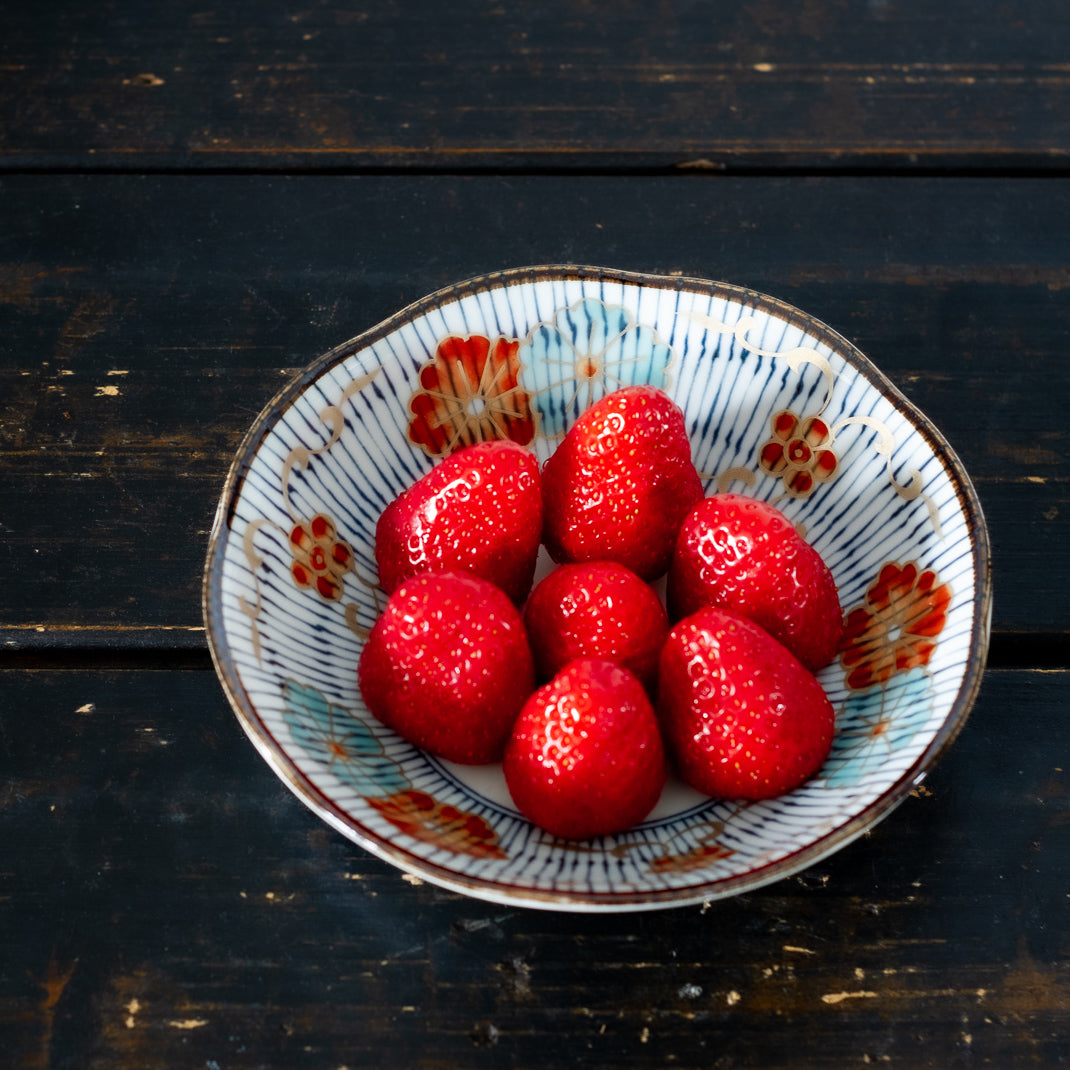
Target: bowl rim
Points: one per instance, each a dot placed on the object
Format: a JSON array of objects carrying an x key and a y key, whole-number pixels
[{"x": 808, "y": 854}]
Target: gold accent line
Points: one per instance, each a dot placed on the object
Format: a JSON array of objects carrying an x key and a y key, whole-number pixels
[
  {"x": 795, "y": 357},
  {"x": 732, "y": 475},
  {"x": 254, "y": 559},
  {"x": 332, "y": 415},
  {"x": 907, "y": 491},
  {"x": 351, "y": 609}
]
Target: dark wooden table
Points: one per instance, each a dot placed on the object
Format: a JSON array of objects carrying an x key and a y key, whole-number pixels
[{"x": 196, "y": 201}]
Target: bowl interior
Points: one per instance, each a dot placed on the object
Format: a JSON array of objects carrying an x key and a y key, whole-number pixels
[{"x": 777, "y": 405}]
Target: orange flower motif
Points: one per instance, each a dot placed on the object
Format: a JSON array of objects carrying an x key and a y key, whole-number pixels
[
  {"x": 896, "y": 626},
  {"x": 798, "y": 453},
  {"x": 702, "y": 855},
  {"x": 321, "y": 559},
  {"x": 469, "y": 393},
  {"x": 425, "y": 818}
]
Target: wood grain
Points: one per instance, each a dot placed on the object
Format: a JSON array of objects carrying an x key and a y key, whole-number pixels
[
  {"x": 167, "y": 903},
  {"x": 196, "y": 201},
  {"x": 892, "y": 84},
  {"x": 144, "y": 322}
]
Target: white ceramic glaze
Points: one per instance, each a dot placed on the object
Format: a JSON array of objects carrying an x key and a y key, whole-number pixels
[{"x": 777, "y": 405}]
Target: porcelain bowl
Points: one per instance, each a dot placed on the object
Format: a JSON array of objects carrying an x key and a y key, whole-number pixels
[{"x": 778, "y": 406}]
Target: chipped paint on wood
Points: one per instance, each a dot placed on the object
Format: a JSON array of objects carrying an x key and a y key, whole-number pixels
[
  {"x": 839, "y": 997},
  {"x": 54, "y": 984}
]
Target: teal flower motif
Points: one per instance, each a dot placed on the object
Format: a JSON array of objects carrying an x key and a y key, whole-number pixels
[
  {"x": 332, "y": 735},
  {"x": 874, "y": 724},
  {"x": 588, "y": 351}
]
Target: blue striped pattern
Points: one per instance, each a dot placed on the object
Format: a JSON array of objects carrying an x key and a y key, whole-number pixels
[{"x": 269, "y": 637}]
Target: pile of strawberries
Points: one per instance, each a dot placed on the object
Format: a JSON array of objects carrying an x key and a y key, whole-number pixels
[{"x": 588, "y": 688}]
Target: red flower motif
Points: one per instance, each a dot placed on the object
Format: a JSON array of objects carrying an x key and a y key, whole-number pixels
[
  {"x": 425, "y": 818},
  {"x": 469, "y": 393},
  {"x": 798, "y": 453},
  {"x": 321, "y": 559},
  {"x": 896, "y": 626}
]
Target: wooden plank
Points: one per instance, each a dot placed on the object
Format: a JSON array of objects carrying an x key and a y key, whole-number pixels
[
  {"x": 145, "y": 322},
  {"x": 906, "y": 85},
  {"x": 166, "y": 902}
]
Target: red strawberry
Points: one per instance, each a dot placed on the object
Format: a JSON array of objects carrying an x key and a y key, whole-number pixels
[
  {"x": 585, "y": 757},
  {"x": 620, "y": 483},
  {"x": 746, "y": 556},
  {"x": 477, "y": 511},
  {"x": 447, "y": 666},
  {"x": 742, "y": 717},
  {"x": 597, "y": 609}
]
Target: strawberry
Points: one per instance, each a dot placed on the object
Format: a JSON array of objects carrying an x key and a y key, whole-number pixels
[
  {"x": 742, "y": 717},
  {"x": 477, "y": 511},
  {"x": 746, "y": 556},
  {"x": 447, "y": 666},
  {"x": 620, "y": 483},
  {"x": 597, "y": 609},
  {"x": 585, "y": 757}
]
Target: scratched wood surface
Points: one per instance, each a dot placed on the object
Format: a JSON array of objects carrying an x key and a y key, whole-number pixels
[
  {"x": 167, "y": 903},
  {"x": 905, "y": 84},
  {"x": 196, "y": 201},
  {"x": 145, "y": 321}
]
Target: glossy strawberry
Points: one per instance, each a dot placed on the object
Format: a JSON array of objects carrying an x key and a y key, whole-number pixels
[
  {"x": 447, "y": 666},
  {"x": 620, "y": 483},
  {"x": 596, "y": 609},
  {"x": 746, "y": 556},
  {"x": 586, "y": 757},
  {"x": 742, "y": 717},
  {"x": 477, "y": 511}
]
